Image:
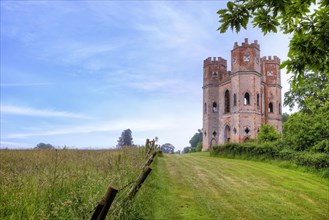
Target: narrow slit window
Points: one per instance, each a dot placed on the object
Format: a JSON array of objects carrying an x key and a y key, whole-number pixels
[
  {"x": 205, "y": 108},
  {"x": 227, "y": 101},
  {"x": 257, "y": 100},
  {"x": 234, "y": 99}
]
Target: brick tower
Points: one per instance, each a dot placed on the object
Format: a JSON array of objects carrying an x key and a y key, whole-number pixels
[{"x": 237, "y": 102}]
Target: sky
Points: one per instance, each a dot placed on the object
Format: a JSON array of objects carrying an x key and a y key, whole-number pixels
[{"x": 78, "y": 73}]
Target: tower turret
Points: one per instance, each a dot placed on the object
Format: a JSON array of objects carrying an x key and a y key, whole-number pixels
[
  {"x": 272, "y": 102},
  {"x": 214, "y": 72}
]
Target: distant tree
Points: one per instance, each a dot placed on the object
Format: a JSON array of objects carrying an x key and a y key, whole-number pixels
[
  {"x": 285, "y": 117},
  {"x": 196, "y": 140},
  {"x": 186, "y": 150},
  {"x": 125, "y": 139},
  {"x": 267, "y": 133},
  {"x": 44, "y": 146},
  {"x": 167, "y": 148}
]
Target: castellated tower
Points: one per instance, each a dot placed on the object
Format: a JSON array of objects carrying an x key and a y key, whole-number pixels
[{"x": 237, "y": 102}]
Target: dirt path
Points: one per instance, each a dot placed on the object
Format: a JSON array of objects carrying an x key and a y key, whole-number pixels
[{"x": 203, "y": 187}]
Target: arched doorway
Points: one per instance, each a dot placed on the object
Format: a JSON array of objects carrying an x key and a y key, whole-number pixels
[{"x": 227, "y": 134}]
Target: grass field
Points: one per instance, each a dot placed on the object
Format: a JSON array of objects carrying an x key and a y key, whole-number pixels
[
  {"x": 196, "y": 186},
  {"x": 62, "y": 184},
  {"x": 67, "y": 184}
]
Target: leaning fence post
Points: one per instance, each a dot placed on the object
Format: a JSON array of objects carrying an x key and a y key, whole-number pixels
[
  {"x": 140, "y": 180},
  {"x": 147, "y": 145},
  {"x": 150, "y": 160},
  {"x": 150, "y": 147},
  {"x": 104, "y": 206}
]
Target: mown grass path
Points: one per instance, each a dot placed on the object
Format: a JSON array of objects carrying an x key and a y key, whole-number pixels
[{"x": 203, "y": 187}]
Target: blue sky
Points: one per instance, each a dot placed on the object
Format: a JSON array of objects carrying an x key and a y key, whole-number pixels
[{"x": 78, "y": 73}]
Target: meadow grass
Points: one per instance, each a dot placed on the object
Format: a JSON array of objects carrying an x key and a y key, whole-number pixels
[
  {"x": 197, "y": 186},
  {"x": 62, "y": 184},
  {"x": 67, "y": 184}
]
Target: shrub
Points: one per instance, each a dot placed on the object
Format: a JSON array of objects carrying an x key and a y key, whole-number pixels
[
  {"x": 322, "y": 146},
  {"x": 267, "y": 133},
  {"x": 272, "y": 150}
]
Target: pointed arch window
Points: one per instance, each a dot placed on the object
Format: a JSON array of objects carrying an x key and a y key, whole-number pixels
[
  {"x": 227, "y": 101},
  {"x": 270, "y": 107},
  {"x": 234, "y": 99},
  {"x": 214, "y": 107},
  {"x": 246, "y": 99}
]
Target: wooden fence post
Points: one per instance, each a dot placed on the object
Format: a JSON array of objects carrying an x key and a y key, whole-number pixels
[
  {"x": 147, "y": 145},
  {"x": 140, "y": 180},
  {"x": 150, "y": 160},
  {"x": 150, "y": 147},
  {"x": 104, "y": 206}
]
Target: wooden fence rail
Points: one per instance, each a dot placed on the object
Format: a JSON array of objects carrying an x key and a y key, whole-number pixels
[{"x": 104, "y": 205}]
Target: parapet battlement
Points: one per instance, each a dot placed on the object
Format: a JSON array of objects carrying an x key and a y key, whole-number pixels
[
  {"x": 215, "y": 60},
  {"x": 269, "y": 59},
  {"x": 246, "y": 44}
]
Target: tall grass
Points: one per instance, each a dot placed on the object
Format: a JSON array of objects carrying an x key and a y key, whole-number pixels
[{"x": 62, "y": 184}]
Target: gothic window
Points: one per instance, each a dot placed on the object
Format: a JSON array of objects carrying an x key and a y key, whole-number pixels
[
  {"x": 257, "y": 100},
  {"x": 205, "y": 133},
  {"x": 234, "y": 130},
  {"x": 205, "y": 108},
  {"x": 227, "y": 101},
  {"x": 246, "y": 99},
  {"x": 234, "y": 99},
  {"x": 214, "y": 107},
  {"x": 227, "y": 136},
  {"x": 270, "y": 107}
]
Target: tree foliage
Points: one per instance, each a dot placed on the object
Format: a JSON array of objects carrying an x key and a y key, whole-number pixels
[
  {"x": 304, "y": 131},
  {"x": 285, "y": 117},
  {"x": 125, "y": 139},
  {"x": 167, "y": 148},
  {"x": 309, "y": 29},
  {"x": 312, "y": 94},
  {"x": 196, "y": 139}
]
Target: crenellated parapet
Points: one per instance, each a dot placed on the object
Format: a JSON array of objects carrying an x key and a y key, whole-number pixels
[
  {"x": 246, "y": 44},
  {"x": 275, "y": 60},
  {"x": 215, "y": 61}
]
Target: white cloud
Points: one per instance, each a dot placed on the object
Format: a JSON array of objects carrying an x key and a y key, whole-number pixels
[
  {"x": 26, "y": 111},
  {"x": 13, "y": 145},
  {"x": 138, "y": 125}
]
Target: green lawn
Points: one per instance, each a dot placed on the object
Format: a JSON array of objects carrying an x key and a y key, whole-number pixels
[{"x": 197, "y": 186}]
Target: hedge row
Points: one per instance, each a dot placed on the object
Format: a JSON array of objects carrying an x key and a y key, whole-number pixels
[{"x": 273, "y": 150}]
